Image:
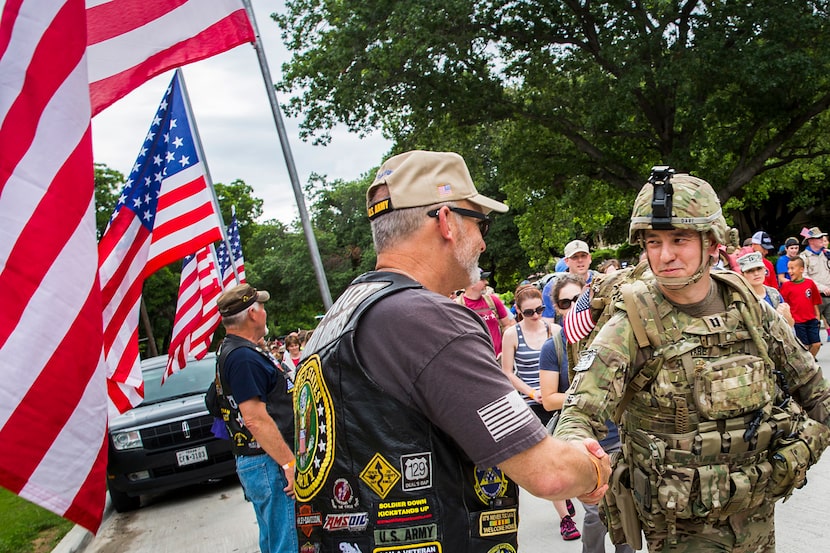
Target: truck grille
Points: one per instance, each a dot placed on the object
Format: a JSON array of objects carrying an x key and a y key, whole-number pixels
[{"x": 173, "y": 435}]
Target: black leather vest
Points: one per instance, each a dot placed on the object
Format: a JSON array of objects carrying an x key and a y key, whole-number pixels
[
  {"x": 374, "y": 474},
  {"x": 278, "y": 403}
]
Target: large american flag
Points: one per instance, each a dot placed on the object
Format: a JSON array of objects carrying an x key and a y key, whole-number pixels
[
  {"x": 53, "y": 396},
  {"x": 164, "y": 213},
  {"x": 197, "y": 315},
  {"x": 131, "y": 41}
]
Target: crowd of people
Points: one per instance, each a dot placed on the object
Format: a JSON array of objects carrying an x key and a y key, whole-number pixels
[{"x": 675, "y": 399}]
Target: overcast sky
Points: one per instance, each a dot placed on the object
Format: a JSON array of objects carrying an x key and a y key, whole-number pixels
[{"x": 236, "y": 126}]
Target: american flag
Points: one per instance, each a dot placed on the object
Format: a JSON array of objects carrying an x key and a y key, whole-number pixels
[
  {"x": 164, "y": 213},
  {"x": 131, "y": 41},
  {"x": 236, "y": 253},
  {"x": 197, "y": 315},
  {"x": 578, "y": 322},
  {"x": 53, "y": 397}
]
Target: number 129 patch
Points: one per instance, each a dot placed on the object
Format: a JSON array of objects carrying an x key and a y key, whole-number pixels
[{"x": 416, "y": 469}]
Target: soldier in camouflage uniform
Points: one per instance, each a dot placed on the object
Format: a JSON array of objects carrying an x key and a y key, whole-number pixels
[{"x": 721, "y": 410}]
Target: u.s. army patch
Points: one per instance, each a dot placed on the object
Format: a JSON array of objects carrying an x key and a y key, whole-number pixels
[
  {"x": 313, "y": 429},
  {"x": 586, "y": 359}
]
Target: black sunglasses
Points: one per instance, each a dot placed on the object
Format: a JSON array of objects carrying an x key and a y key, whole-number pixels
[
  {"x": 483, "y": 220},
  {"x": 566, "y": 303},
  {"x": 529, "y": 312}
]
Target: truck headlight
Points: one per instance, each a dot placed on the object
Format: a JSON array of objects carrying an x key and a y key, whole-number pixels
[{"x": 126, "y": 440}]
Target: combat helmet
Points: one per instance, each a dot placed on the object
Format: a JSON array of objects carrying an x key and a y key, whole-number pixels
[
  {"x": 680, "y": 201},
  {"x": 677, "y": 201}
]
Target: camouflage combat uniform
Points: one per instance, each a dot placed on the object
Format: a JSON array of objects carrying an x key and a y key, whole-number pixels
[{"x": 718, "y": 415}]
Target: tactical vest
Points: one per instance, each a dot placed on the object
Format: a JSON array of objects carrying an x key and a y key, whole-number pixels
[
  {"x": 278, "y": 402},
  {"x": 374, "y": 474},
  {"x": 708, "y": 433}
]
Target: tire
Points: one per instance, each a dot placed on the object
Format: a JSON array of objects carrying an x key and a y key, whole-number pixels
[{"x": 123, "y": 503}]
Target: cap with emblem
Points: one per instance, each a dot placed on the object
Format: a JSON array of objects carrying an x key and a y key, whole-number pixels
[
  {"x": 762, "y": 239},
  {"x": 751, "y": 261},
  {"x": 576, "y": 246},
  {"x": 814, "y": 232},
  {"x": 421, "y": 178},
  {"x": 239, "y": 298}
]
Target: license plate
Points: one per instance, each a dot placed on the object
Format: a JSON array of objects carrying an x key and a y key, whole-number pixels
[{"x": 190, "y": 456}]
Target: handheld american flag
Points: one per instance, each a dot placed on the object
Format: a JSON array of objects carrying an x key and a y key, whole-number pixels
[
  {"x": 164, "y": 213},
  {"x": 53, "y": 416},
  {"x": 578, "y": 322},
  {"x": 197, "y": 315},
  {"x": 131, "y": 41}
]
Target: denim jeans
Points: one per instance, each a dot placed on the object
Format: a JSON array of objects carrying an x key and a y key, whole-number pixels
[{"x": 263, "y": 481}]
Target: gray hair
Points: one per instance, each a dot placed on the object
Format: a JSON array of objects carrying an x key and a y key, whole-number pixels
[
  {"x": 238, "y": 319},
  {"x": 399, "y": 224}
]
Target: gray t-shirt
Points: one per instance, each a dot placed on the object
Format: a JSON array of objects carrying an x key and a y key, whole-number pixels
[{"x": 435, "y": 356}]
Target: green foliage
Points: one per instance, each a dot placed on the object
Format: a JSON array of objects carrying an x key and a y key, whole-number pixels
[
  {"x": 25, "y": 522},
  {"x": 108, "y": 184},
  {"x": 573, "y": 102}
]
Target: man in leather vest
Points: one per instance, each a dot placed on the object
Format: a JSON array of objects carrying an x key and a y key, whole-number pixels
[
  {"x": 254, "y": 394},
  {"x": 408, "y": 435},
  {"x": 721, "y": 410}
]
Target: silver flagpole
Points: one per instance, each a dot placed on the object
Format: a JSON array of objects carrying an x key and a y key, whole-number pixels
[
  {"x": 197, "y": 139},
  {"x": 289, "y": 162}
]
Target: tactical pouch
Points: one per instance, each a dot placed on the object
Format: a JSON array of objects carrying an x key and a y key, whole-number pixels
[
  {"x": 789, "y": 468},
  {"x": 618, "y": 510},
  {"x": 731, "y": 387}
]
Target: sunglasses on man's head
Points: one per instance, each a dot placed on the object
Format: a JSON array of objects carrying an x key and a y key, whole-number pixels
[
  {"x": 529, "y": 312},
  {"x": 565, "y": 303}
]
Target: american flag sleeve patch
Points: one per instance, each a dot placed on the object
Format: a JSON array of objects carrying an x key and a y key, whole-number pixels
[{"x": 505, "y": 415}]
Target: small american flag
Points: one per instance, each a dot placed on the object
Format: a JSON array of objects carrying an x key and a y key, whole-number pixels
[
  {"x": 578, "y": 322},
  {"x": 445, "y": 190},
  {"x": 164, "y": 213},
  {"x": 225, "y": 267}
]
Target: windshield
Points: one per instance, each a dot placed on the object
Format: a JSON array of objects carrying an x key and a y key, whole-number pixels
[{"x": 193, "y": 379}]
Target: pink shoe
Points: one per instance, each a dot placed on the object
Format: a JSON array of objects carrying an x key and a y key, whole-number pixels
[{"x": 568, "y": 529}]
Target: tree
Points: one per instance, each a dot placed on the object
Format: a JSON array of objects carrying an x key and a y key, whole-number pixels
[
  {"x": 108, "y": 184},
  {"x": 581, "y": 98}
]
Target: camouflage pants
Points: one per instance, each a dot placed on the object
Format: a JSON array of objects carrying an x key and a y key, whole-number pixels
[{"x": 749, "y": 532}]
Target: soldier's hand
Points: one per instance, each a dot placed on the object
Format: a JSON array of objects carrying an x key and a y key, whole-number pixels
[{"x": 602, "y": 463}]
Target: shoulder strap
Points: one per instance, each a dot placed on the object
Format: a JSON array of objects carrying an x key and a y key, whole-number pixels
[
  {"x": 491, "y": 304},
  {"x": 638, "y": 311}
]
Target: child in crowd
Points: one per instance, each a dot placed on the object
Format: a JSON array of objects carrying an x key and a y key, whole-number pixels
[{"x": 803, "y": 297}]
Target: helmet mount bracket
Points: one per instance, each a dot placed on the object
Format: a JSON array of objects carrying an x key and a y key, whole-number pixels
[{"x": 661, "y": 203}]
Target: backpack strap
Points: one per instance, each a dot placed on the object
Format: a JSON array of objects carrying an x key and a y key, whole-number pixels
[{"x": 645, "y": 310}]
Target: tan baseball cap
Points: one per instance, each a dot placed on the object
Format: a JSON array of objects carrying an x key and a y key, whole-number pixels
[
  {"x": 420, "y": 178},
  {"x": 576, "y": 246},
  {"x": 750, "y": 261},
  {"x": 239, "y": 298}
]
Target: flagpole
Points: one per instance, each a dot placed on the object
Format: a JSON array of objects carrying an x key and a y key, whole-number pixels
[
  {"x": 197, "y": 141},
  {"x": 289, "y": 161}
]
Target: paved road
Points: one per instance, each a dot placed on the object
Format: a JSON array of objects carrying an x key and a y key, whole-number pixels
[{"x": 214, "y": 518}]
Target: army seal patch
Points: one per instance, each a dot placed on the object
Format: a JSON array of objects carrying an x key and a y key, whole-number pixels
[{"x": 313, "y": 429}]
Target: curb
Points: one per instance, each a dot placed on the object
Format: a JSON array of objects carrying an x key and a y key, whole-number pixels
[{"x": 77, "y": 539}]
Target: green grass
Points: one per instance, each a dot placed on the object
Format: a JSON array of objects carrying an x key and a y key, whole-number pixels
[{"x": 22, "y": 523}]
